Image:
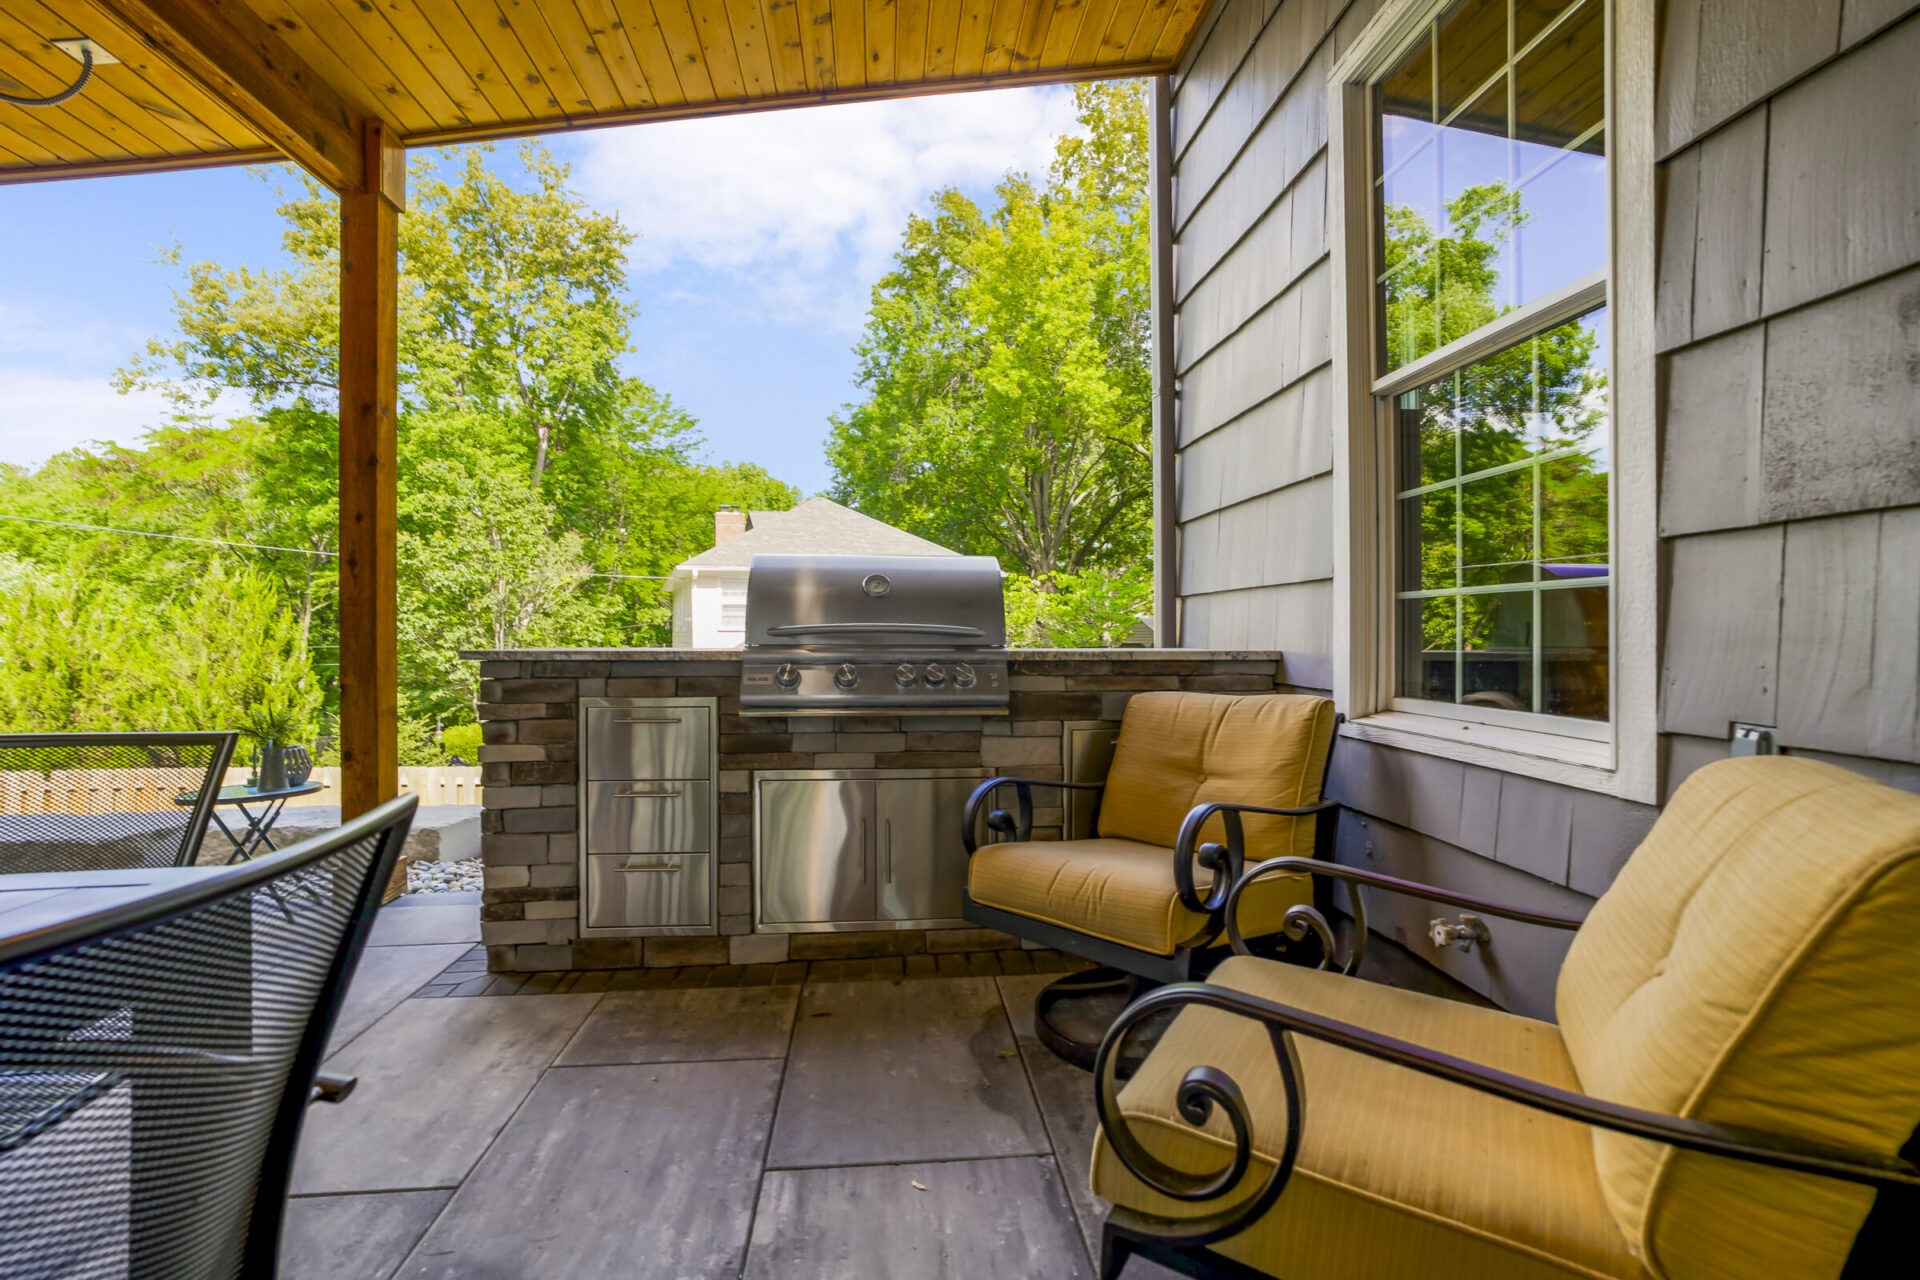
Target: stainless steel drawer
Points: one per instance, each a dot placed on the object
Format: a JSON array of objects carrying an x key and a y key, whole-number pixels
[
  {"x": 647, "y": 891},
  {"x": 649, "y": 817},
  {"x": 649, "y": 742}
]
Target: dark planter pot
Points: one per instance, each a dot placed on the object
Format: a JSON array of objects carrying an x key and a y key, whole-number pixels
[{"x": 273, "y": 767}]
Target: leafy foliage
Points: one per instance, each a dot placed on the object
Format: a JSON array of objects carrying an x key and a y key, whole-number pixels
[
  {"x": 544, "y": 491},
  {"x": 221, "y": 649},
  {"x": 1006, "y": 364},
  {"x": 1098, "y": 609}
]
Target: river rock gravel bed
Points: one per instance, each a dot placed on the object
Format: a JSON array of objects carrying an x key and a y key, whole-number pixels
[{"x": 443, "y": 877}]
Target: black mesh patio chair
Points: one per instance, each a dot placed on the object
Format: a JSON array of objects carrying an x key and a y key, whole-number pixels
[
  {"x": 156, "y": 1061},
  {"x": 106, "y": 801}
]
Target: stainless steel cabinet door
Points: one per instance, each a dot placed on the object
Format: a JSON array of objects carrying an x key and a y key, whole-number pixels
[
  {"x": 643, "y": 891},
  {"x": 1089, "y": 749},
  {"x": 815, "y": 850},
  {"x": 648, "y": 817},
  {"x": 923, "y": 864},
  {"x": 649, "y": 742}
]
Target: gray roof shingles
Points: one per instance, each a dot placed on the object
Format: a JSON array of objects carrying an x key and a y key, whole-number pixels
[{"x": 818, "y": 526}]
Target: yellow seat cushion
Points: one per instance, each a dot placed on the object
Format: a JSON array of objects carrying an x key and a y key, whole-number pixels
[
  {"x": 1399, "y": 1175},
  {"x": 1116, "y": 890},
  {"x": 1179, "y": 750},
  {"x": 1753, "y": 964}
]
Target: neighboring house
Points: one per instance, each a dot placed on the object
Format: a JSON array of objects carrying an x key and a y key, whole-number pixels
[{"x": 710, "y": 589}]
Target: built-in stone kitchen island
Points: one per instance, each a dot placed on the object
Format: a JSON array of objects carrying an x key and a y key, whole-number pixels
[{"x": 620, "y": 829}]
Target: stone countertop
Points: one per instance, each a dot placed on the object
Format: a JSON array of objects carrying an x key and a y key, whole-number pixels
[{"x": 733, "y": 655}]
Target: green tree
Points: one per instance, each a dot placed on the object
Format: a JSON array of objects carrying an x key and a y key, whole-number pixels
[
  {"x": 544, "y": 492},
  {"x": 1006, "y": 366},
  {"x": 1097, "y": 609},
  {"x": 76, "y": 654}
]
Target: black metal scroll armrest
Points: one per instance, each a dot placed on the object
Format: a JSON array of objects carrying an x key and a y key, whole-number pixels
[
  {"x": 1021, "y": 827},
  {"x": 1305, "y": 918},
  {"x": 1204, "y": 1087},
  {"x": 1227, "y": 860},
  {"x": 328, "y": 1088}
]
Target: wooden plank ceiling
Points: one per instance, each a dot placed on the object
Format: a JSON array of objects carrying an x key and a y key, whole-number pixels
[{"x": 447, "y": 70}]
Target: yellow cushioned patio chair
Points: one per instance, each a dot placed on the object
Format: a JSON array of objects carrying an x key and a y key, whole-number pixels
[
  {"x": 1731, "y": 1091},
  {"x": 1200, "y": 785}
]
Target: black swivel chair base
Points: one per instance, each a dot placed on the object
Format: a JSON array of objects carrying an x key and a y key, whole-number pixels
[{"x": 1072, "y": 1013}]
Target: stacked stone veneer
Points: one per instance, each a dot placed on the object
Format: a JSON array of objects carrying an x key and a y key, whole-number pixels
[{"x": 529, "y": 761}]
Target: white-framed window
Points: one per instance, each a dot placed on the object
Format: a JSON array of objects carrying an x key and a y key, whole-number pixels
[
  {"x": 1498, "y": 486},
  {"x": 733, "y": 606}
]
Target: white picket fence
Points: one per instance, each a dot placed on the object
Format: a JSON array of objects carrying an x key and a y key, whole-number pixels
[{"x": 140, "y": 791}]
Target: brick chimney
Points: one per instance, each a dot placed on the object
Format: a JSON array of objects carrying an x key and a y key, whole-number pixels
[{"x": 728, "y": 522}]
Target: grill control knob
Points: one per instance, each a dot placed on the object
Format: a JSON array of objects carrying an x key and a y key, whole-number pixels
[
  {"x": 786, "y": 675},
  {"x": 962, "y": 676},
  {"x": 847, "y": 676},
  {"x": 936, "y": 675},
  {"x": 904, "y": 675}
]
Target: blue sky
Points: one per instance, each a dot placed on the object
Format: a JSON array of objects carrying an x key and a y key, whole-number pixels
[{"x": 760, "y": 237}]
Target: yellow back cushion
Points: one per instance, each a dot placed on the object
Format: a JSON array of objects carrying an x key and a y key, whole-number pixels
[
  {"x": 1178, "y": 750},
  {"x": 1755, "y": 963}
]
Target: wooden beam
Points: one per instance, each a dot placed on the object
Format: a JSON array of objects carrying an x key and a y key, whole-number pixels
[
  {"x": 369, "y": 388},
  {"x": 234, "y": 55}
]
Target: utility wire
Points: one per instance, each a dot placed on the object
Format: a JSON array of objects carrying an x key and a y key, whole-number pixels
[
  {"x": 175, "y": 537},
  {"x": 256, "y": 546}
]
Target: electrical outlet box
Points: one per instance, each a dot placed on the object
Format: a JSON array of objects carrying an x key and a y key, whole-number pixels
[
  {"x": 1753, "y": 740},
  {"x": 74, "y": 46}
]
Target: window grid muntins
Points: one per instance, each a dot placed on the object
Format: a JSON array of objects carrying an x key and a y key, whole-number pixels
[{"x": 1516, "y": 617}]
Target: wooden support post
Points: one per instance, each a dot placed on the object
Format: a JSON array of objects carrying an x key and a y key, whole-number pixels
[{"x": 369, "y": 385}]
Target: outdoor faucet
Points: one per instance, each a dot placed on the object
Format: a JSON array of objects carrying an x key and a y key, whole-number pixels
[{"x": 1469, "y": 930}]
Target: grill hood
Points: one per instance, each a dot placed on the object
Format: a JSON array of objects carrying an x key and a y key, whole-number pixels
[{"x": 892, "y": 602}]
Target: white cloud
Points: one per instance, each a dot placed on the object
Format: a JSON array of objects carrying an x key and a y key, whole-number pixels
[
  {"x": 56, "y": 386},
  {"x": 806, "y": 206},
  {"x": 42, "y": 414}
]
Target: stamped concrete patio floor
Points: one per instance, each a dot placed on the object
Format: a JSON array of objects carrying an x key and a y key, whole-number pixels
[{"x": 889, "y": 1127}]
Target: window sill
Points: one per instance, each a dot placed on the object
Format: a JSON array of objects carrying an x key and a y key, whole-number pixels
[{"x": 1549, "y": 757}]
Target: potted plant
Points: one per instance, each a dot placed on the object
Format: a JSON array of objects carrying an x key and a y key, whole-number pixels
[{"x": 271, "y": 724}]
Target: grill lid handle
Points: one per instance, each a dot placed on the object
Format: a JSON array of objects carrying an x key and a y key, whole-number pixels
[{"x": 893, "y": 628}]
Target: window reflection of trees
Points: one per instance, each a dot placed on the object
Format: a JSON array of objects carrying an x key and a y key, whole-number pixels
[{"x": 1503, "y": 467}]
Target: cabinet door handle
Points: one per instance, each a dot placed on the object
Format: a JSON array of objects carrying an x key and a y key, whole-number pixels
[
  {"x": 646, "y": 720},
  {"x": 863, "y": 851},
  {"x": 646, "y": 795},
  {"x": 664, "y": 870},
  {"x": 889, "y": 830}
]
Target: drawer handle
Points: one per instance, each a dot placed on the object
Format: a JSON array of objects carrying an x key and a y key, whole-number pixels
[
  {"x": 647, "y": 720},
  {"x": 656, "y": 870},
  {"x": 646, "y": 795}
]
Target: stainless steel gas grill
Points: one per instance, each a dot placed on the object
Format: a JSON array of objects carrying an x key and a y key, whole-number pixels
[{"x": 859, "y": 635}]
